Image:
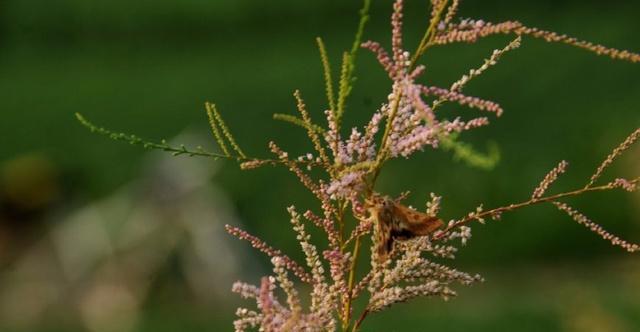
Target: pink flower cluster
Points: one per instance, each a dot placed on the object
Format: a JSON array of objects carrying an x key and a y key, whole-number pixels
[{"x": 414, "y": 123}]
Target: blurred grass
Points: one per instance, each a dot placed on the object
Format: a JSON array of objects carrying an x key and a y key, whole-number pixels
[
  {"x": 554, "y": 297},
  {"x": 147, "y": 67}
]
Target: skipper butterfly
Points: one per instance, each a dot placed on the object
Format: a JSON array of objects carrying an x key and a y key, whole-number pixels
[{"x": 394, "y": 221}]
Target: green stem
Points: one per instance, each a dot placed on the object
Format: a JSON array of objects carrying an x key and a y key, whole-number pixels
[
  {"x": 351, "y": 282},
  {"x": 350, "y": 58},
  {"x": 382, "y": 156},
  {"x": 176, "y": 150},
  {"x": 382, "y": 151},
  {"x": 426, "y": 39},
  {"x": 429, "y": 34},
  {"x": 342, "y": 207},
  {"x": 364, "y": 18}
]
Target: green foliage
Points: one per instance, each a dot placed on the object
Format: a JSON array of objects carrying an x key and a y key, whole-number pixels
[
  {"x": 215, "y": 128},
  {"x": 298, "y": 122},
  {"x": 328, "y": 80},
  {"x": 347, "y": 78},
  {"x": 162, "y": 146},
  {"x": 466, "y": 153},
  {"x": 216, "y": 121}
]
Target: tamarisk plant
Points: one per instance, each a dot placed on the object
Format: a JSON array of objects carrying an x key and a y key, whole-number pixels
[{"x": 407, "y": 246}]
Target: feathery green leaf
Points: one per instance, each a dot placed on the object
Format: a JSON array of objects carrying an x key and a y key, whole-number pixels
[
  {"x": 225, "y": 130},
  {"x": 135, "y": 140},
  {"x": 215, "y": 130},
  {"x": 298, "y": 122},
  {"x": 466, "y": 153},
  {"x": 328, "y": 80}
]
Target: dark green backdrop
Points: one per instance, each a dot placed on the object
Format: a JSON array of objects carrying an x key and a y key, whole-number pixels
[{"x": 147, "y": 67}]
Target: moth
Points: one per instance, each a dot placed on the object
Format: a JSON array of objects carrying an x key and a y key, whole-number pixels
[{"x": 394, "y": 221}]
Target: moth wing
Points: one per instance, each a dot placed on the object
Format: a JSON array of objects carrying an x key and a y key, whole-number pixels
[
  {"x": 384, "y": 246},
  {"x": 384, "y": 240},
  {"x": 418, "y": 223}
]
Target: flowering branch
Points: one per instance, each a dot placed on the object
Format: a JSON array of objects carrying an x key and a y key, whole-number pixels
[
  {"x": 407, "y": 245},
  {"x": 537, "y": 197}
]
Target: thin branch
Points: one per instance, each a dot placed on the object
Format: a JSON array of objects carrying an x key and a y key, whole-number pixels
[
  {"x": 348, "y": 62},
  {"x": 215, "y": 128},
  {"x": 326, "y": 69},
  {"x": 225, "y": 130},
  {"x": 313, "y": 135},
  {"x": 163, "y": 145},
  {"x": 351, "y": 283},
  {"x": 614, "y": 154},
  {"x": 533, "y": 201},
  {"x": 298, "y": 122},
  {"x": 260, "y": 245},
  {"x": 182, "y": 149},
  {"x": 360, "y": 319},
  {"x": 429, "y": 34}
]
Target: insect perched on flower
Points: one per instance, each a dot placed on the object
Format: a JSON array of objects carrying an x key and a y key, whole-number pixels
[{"x": 394, "y": 221}]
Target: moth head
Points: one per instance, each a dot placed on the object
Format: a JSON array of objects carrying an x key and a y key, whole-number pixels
[
  {"x": 375, "y": 201},
  {"x": 381, "y": 207},
  {"x": 387, "y": 203}
]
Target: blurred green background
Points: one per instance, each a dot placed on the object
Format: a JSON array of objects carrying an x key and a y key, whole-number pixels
[{"x": 147, "y": 67}]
